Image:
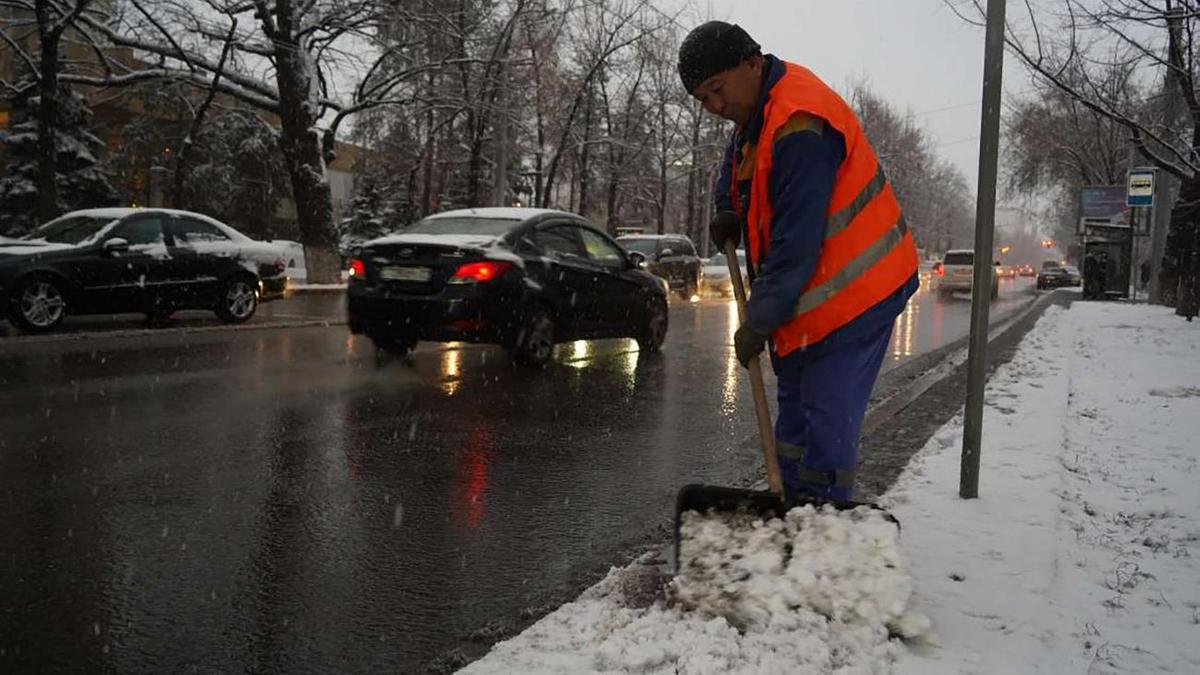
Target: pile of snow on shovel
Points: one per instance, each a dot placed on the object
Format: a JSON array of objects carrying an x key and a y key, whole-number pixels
[{"x": 817, "y": 591}]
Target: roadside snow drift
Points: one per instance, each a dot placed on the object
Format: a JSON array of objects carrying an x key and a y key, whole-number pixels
[
  {"x": 819, "y": 591},
  {"x": 1082, "y": 554}
]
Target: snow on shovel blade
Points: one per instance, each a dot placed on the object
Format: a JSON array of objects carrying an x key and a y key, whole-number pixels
[{"x": 763, "y": 503}]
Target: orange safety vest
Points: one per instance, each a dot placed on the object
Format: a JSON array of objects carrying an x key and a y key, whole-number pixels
[{"x": 868, "y": 250}]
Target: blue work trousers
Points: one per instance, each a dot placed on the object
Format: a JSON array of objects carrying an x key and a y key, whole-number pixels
[{"x": 822, "y": 399}]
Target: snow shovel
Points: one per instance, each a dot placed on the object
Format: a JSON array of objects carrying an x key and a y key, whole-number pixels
[{"x": 769, "y": 503}]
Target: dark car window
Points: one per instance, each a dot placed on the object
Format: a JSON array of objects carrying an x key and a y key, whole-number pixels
[
  {"x": 600, "y": 249},
  {"x": 960, "y": 258},
  {"x": 188, "y": 231},
  {"x": 140, "y": 231},
  {"x": 464, "y": 225},
  {"x": 560, "y": 241},
  {"x": 649, "y": 247},
  {"x": 69, "y": 230},
  {"x": 680, "y": 246}
]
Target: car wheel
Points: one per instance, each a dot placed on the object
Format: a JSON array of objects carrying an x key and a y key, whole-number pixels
[
  {"x": 238, "y": 300},
  {"x": 535, "y": 341},
  {"x": 654, "y": 330},
  {"x": 39, "y": 305},
  {"x": 393, "y": 345}
]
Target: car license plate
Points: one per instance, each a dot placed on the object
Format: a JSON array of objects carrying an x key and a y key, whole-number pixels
[{"x": 416, "y": 274}]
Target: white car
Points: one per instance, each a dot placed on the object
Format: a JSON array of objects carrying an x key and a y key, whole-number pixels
[
  {"x": 714, "y": 275},
  {"x": 956, "y": 272}
]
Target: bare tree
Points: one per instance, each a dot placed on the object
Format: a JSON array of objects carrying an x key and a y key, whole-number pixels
[
  {"x": 309, "y": 63},
  {"x": 1076, "y": 48}
]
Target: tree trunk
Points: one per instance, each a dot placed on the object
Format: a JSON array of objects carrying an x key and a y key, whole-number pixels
[
  {"x": 1180, "y": 275},
  {"x": 693, "y": 227},
  {"x": 47, "y": 180},
  {"x": 300, "y": 141},
  {"x": 585, "y": 153}
]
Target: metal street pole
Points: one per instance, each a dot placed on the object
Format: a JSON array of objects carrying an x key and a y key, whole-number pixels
[{"x": 985, "y": 221}]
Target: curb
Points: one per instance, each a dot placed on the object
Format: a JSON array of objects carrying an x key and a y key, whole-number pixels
[
  {"x": 157, "y": 332},
  {"x": 879, "y": 411}
]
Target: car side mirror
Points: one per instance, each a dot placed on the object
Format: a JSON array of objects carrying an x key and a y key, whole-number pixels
[
  {"x": 638, "y": 259},
  {"x": 116, "y": 245}
]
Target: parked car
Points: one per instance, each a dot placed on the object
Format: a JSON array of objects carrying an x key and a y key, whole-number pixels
[
  {"x": 714, "y": 275},
  {"x": 519, "y": 277},
  {"x": 670, "y": 256},
  {"x": 1073, "y": 274},
  {"x": 1026, "y": 271},
  {"x": 956, "y": 272},
  {"x": 1054, "y": 276},
  {"x": 153, "y": 261}
]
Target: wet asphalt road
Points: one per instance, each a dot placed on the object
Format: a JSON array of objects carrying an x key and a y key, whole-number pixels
[{"x": 283, "y": 500}]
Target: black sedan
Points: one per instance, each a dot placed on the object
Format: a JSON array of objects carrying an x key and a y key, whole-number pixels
[
  {"x": 1053, "y": 277},
  {"x": 152, "y": 261},
  {"x": 522, "y": 278}
]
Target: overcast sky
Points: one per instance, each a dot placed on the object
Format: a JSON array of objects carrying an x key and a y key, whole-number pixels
[{"x": 915, "y": 53}]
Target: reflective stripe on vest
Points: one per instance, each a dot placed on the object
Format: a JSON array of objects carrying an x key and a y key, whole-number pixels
[{"x": 865, "y": 261}]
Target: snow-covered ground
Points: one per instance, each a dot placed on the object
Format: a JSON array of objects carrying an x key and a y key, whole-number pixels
[
  {"x": 1081, "y": 555},
  {"x": 818, "y": 591}
]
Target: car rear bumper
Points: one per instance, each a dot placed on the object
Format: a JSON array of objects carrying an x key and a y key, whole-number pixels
[
  {"x": 720, "y": 286},
  {"x": 954, "y": 284},
  {"x": 460, "y": 315}
]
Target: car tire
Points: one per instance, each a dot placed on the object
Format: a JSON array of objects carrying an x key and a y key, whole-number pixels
[
  {"x": 535, "y": 341},
  {"x": 39, "y": 304},
  {"x": 393, "y": 345},
  {"x": 238, "y": 300},
  {"x": 654, "y": 329}
]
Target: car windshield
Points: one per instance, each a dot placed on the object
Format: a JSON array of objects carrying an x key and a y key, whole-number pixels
[
  {"x": 641, "y": 245},
  {"x": 494, "y": 227},
  {"x": 960, "y": 258},
  {"x": 74, "y": 230},
  {"x": 1050, "y": 264}
]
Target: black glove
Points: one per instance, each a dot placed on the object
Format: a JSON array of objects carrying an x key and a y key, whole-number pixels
[
  {"x": 725, "y": 225},
  {"x": 748, "y": 343}
]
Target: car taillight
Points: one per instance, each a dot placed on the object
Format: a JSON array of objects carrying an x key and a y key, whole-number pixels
[
  {"x": 358, "y": 269},
  {"x": 479, "y": 272},
  {"x": 939, "y": 270}
]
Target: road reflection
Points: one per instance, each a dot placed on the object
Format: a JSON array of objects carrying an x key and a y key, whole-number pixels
[
  {"x": 729, "y": 382},
  {"x": 467, "y": 506},
  {"x": 451, "y": 368}
]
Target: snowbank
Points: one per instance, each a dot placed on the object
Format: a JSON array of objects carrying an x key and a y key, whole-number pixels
[
  {"x": 1083, "y": 552},
  {"x": 820, "y": 591}
]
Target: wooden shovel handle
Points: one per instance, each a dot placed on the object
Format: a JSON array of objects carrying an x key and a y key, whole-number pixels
[{"x": 766, "y": 433}]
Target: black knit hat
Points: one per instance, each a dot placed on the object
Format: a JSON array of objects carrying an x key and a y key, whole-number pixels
[{"x": 712, "y": 48}]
